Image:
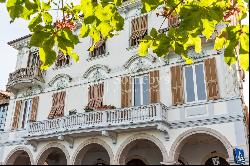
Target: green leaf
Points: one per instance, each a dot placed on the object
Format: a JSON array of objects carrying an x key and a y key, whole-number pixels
[
  {"x": 84, "y": 31},
  {"x": 47, "y": 56},
  {"x": 219, "y": 43},
  {"x": 153, "y": 33},
  {"x": 187, "y": 59},
  {"x": 244, "y": 42},
  {"x": 208, "y": 27},
  {"x": 244, "y": 60},
  {"x": 38, "y": 38},
  {"x": 74, "y": 55},
  {"x": 35, "y": 21},
  {"x": 105, "y": 29},
  {"x": 117, "y": 2},
  {"x": 143, "y": 48},
  {"x": 15, "y": 8},
  {"x": 47, "y": 18}
]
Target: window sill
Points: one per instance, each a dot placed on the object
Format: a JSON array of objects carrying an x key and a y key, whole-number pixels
[
  {"x": 132, "y": 47},
  {"x": 98, "y": 57},
  {"x": 61, "y": 67}
]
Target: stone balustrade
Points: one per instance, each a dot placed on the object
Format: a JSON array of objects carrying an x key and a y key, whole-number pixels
[
  {"x": 23, "y": 77},
  {"x": 101, "y": 119}
]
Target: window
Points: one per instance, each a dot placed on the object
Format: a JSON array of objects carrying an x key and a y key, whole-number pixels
[
  {"x": 62, "y": 60},
  {"x": 33, "y": 60},
  {"x": 141, "y": 90},
  {"x": 25, "y": 112},
  {"x": 195, "y": 83},
  {"x": 3, "y": 113},
  {"x": 99, "y": 49},
  {"x": 96, "y": 93},
  {"x": 139, "y": 30}
]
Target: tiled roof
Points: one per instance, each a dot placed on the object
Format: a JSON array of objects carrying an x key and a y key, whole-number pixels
[
  {"x": 18, "y": 39},
  {"x": 4, "y": 93}
]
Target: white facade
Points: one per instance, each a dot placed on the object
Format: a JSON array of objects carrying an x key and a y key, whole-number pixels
[{"x": 190, "y": 133}]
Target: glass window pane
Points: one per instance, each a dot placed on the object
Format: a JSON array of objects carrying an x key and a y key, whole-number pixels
[
  {"x": 200, "y": 82},
  {"x": 145, "y": 90},
  {"x": 189, "y": 84},
  {"x": 24, "y": 113},
  {"x": 137, "y": 92}
]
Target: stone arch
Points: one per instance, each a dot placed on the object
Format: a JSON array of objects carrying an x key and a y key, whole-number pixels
[
  {"x": 10, "y": 159},
  {"x": 180, "y": 141},
  {"x": 43, "y": 154},
  {"x": 93, "y": 141},
  {"x": 94, "y": 68},
  {"x": 142, "y": 136}
]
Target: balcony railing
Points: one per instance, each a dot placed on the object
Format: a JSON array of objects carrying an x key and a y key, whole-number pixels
[
  {"x": 141, "y": 115},
  {"x": 24, "y": 76}
]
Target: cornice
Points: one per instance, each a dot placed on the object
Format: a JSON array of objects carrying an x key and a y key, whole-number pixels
[{"x": 206, "y": 121}]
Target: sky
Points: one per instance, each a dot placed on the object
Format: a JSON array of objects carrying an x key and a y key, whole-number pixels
[{"x": 19, "y": 28}]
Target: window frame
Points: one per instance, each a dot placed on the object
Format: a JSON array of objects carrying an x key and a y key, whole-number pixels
[
  {"x": 21, "y": 123},
  {"x": 140, "y": 76},
  {"x": 130, "y": 29},
  {"x": 195, "y": 83},
  {"x": 31, "y": 59}
]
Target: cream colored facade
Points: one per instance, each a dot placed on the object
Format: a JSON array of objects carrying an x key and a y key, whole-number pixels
[{"x": 157, "y": 133}]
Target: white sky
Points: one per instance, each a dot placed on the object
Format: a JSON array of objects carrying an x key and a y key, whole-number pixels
[{"x": 18, "y": 29}]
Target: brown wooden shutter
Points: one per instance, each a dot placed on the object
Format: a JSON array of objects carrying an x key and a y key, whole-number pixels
[
  {"x": 126, "y": 94},
  {"x": 34, "y": 108},
  {"x": 177, "y": 85},
  {"x": 211, "y": 79},
  {"x": 58, "y": 104},
  {"x": 17, "y": 114},
  {"x": 154, "y": 86},
  {"x": 139, "y": 27}
]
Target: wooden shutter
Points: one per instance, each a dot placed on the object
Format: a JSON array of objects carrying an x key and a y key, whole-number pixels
[
  {"x": 58, "y": 104},
  {"x": 154, "y": 86},
  {"x": 211, "y": 79},
  {"x": 34, "y": 108},
  {"x": 17, "y": 114},
  {"x": 139, "y": 27},
  {"x": 126, "y": 95},
  {"x": 177, "y": 85}
]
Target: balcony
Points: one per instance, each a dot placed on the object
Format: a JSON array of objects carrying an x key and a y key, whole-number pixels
[
  {"x": 153, "y": 116},
  {"x": 24, "y": 78}
]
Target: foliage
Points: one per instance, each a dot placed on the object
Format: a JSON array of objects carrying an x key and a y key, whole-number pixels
[{"x": 100, "y": 18}]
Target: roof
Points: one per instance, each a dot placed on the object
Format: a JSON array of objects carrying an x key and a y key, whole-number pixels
[
  {"x": 4, "y": 97},
  {"x": 4, "y": 93},
  {"x": 19, "y": 39}
]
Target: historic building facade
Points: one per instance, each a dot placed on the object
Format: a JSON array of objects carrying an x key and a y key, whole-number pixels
[{"x": 114, "y": 107}]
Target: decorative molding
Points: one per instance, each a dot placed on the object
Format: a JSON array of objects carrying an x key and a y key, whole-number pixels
[
  {"x": 127, "y": 6},
  {"x": 202, "y": 122},
  {"x": 138, "y": 64},
  {"x": 34, "y": 144},
  {"x": 96, "y": 73},
  {"x": 112, "y": 135},
  {"x": 68, "y": 139},
  {"x": 60, "y": 81},
  {"x": 164, "y": 130}
]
